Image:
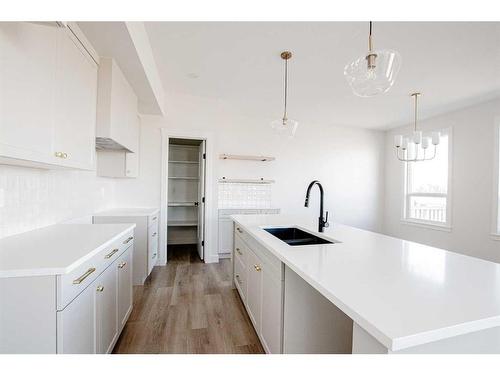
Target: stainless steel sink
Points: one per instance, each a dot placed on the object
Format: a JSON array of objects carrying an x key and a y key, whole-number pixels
[{"x": 297, "y": 237}]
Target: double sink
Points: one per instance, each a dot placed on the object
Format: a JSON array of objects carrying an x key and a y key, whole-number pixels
[{"x": 297, "y": 237}]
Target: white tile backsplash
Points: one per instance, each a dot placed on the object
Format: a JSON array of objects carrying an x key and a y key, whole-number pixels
[
  {"x": 34, "y": 198},
  {"x": 244, "y": 195}
]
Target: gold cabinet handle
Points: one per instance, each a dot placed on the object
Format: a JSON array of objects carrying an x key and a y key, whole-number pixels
[
  {"x": 239, "y": 251},
  {"x": 100, "y": 288},
  {"x": 128, "y": 240},
  {"x": 239, "y": 230},
  {"x": 58, "y": 154},
  {"x": 84, "y": 276},
  {"x": 107, "y": 256},
  {"x": 64, "y": 155},
  {"x": 122, "y": 264},
  {"x": 257, "y": 268}
]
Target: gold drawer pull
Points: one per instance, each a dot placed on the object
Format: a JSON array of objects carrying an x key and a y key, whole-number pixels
[
  {"x": 239, "y": 251},
  {"x": 111, "y": 254},
  {"x": 239, "y": 230},
  {"x": 100, "y": 288},
  {"x": 128, "y": 240},
  {"x": 122, "y": 264},
  {"x": 257, "y": 268},
  {"x": 84, "y": 276}
]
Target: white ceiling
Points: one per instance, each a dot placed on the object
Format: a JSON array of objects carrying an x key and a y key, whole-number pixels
[{"x": 452, "y": 64}]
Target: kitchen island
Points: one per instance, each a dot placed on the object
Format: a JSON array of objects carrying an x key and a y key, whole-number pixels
[{"x": 400, "y": 296}]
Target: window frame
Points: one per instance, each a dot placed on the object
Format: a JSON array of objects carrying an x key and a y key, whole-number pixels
[{"x": 405, "y": 218}]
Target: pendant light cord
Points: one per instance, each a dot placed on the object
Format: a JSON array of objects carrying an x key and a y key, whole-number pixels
[
  {"x": 370, "y": 38},
  {"x": 286, "y": 87},
  {"x": 416, "y": 108}
]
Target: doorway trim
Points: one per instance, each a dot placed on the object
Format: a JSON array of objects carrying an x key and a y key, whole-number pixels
[{"x": 210, "y": 215}]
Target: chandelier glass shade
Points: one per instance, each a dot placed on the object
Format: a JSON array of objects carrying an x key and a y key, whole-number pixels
[{"x": 373, "y": 73}]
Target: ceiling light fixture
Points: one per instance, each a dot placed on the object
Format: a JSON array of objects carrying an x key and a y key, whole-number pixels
[
  {"x": 409, "y": 149},
  {"x": 373, "y": 73},
  {"x": 285, "y": 126}
]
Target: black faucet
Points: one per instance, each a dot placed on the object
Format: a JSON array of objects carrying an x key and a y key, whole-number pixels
[{"x": 322, "y": 222}]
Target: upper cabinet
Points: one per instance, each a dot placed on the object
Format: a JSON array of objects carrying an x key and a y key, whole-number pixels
[
  {"x": 117, "y": 126},
  {"x": 48, "y": 91}
]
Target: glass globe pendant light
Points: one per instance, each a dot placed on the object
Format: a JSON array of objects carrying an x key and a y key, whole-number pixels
[
  {"x": 285, "y": 126},
  {"x": 373, "y": 73}
]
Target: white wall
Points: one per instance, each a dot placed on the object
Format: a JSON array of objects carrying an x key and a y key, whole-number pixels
[
  {"x": 348, "y": 161},
  {"x": 33, "y": 198},
  {"x": 472, "y": 184}
]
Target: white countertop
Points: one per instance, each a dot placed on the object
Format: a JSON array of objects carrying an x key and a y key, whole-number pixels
[
  {"x": 56, "y": 249},
  {"x": 137, "y": 211},
  {"x": 403, "y": 293}
]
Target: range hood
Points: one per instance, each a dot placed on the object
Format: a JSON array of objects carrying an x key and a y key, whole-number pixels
[{"x": 108, "y": 144}]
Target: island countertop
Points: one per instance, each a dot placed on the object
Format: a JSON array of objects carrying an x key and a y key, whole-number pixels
[
  {"x": 402, "y": 293},
  {"x": 56, "y": 249}
]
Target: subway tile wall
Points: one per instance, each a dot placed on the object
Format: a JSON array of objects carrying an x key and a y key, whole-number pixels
[
  {"x": 34, "y": 198},
  {"x": 244, "y": 195}
]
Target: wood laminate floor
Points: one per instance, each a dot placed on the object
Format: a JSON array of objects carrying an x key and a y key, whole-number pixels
[{"x": 188, "y": 307}]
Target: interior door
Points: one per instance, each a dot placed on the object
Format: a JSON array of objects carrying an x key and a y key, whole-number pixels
[{"x": 201, "y": 206}]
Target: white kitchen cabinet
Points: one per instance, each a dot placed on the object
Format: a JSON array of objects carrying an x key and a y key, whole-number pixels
[
  {"x": 146, "y": 251},
  {"x": 28, "y": 55},
  {"x": 117, "y": 164},
  {"x": 258, "y": 277},
  {"x": 74, "y": 299},
  {"x": 254, "y": 289},
  {"x": 117, "y": 126},
  {"x": 76, "y": 98},
  {"x": 76, "y": 325},
  {"x": 106, "y": 310},
  {"x": 226, "y": 226},
  {"x": 124, "y": 288},
  {"x": 48, "y": 97},
  {"x": 272, "y": 306}
]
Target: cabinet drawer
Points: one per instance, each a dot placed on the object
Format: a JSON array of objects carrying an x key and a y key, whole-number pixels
[
  {"x": 240, "y": 250},
  {"x": 153, "y": 219},
  {"x": 71, "y": 284},
  {"x": 240, "y": 278}
]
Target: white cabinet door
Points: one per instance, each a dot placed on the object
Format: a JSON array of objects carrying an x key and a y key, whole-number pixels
[
  {"x": 106, "y": 309},
  {"x": 254, "y": 289},
  {"x": 27, "y": 87},
  {"x": 76, "y": 330},
  {"x": 76, "y": 101},
  {"x": 124, "y": 291},
  {"x": 272, "y": 299},
  {"x": 225, "y": 236}
]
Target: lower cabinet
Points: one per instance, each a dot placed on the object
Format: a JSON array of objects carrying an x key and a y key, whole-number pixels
[
  {"x": 106, "y": 310},
  {"x": 76, "y": 325},
  {"x": 258, "y": 277},
  {"x": 124, "y": 289},
  {"x": 92, "y": 322}
]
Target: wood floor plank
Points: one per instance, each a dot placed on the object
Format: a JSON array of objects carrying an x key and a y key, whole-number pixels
[{"x": 188, "y": 307}]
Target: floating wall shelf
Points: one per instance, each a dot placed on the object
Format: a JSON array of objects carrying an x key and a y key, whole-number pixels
[
  {"x": 225, "y": 180},
  {"x": 246, "y": 157}
]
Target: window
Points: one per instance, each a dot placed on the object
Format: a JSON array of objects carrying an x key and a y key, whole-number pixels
[{"x": 426, "y": 188}]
